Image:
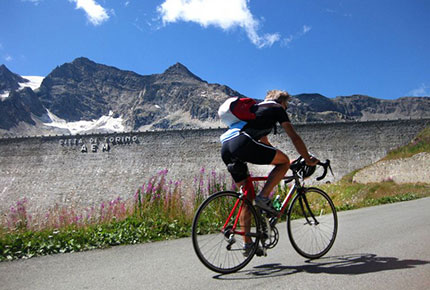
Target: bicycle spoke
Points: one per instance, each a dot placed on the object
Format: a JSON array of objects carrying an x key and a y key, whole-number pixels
[
  {"x": 313, "y": 232},
  {"x": 203, "y": 245},
  {"x": 223, "y": 252}
]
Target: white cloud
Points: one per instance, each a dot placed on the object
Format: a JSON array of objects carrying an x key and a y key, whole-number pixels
[
  {"x": 35, "y": 2},
  {"x": 421, "y": 91},
  {"x": 305, "y": 29},
  {"x": 136, "y": 24},
  {"x": 6, "y": 57},
  {"x": 96, "y": 14},
  {"x": 225, "y": 14},
  {"x": 286, "y": 41}
]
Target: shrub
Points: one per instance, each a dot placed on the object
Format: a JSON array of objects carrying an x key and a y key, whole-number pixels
[{"x": 158, "y": 210}]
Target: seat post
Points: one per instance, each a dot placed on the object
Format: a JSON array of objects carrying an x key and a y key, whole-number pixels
[{"x": 248, "y": 189}]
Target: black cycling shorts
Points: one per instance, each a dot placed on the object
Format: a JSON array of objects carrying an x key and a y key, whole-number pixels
[{"x": 241, "y": 149}]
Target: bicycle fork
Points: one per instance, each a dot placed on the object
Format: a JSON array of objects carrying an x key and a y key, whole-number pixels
[{"x": 307, "y": 212}]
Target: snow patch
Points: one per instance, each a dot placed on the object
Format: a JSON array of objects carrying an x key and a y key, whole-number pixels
[
  {"x": 34, "y": 82},
  {"x": 4, "y": 95},
  {"x": 104, "y": 123}
]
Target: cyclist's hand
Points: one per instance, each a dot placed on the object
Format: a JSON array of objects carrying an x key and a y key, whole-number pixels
[{"x": 312, "y": 161}]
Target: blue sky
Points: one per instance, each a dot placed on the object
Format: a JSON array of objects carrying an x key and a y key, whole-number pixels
[{"x": 333, "y": 47}]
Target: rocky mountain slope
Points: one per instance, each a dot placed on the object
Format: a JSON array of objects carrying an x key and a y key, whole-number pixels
[
  {"x": 315, "y": 108},
  {"x": 84, "y": 92},
  {"x": 9, "y": 81},
  {"x": 413, "y": 169}
]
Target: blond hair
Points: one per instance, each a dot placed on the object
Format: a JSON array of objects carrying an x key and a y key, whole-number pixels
[{"x": 277, "y": 96}]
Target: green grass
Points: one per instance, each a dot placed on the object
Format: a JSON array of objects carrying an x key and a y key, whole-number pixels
[
  {"x": 347, "y": 195},
  {"x": 421, "y": 143},
  {"x": 132, "y": 230}
]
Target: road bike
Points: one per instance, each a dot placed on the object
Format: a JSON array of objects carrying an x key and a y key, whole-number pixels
[{"x": 219, "y": 228}]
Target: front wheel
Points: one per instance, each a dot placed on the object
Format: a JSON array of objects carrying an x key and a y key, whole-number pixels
[
  {"x": 219, "y": 234},
  {"x": 312, "y": 223}
]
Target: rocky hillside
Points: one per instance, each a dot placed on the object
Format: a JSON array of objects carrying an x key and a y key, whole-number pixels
[
  {"x": 413, "y": 169},
  {"x": 9, "y": 81},
  {"x": 82, "y": 93},
  {"x": 406, "y": 164}
]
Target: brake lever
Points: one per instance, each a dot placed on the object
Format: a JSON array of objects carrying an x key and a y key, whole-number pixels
[
  {"x": 329, "y": 167},
  {"x": 325, "y": 165}
]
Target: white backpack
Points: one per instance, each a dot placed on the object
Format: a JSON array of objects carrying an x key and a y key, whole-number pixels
[{"x": 237, "y": 109}]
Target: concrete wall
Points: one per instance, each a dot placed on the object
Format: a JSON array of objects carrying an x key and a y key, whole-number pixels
[{"x": 88, "y": 169}]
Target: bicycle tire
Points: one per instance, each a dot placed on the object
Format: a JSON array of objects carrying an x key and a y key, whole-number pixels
[
  {"x": 211, "y": 244},
  {"x": 312, "y": 223}
]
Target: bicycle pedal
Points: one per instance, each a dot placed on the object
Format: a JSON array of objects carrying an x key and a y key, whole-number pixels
[{"x": 261, "y": 252}]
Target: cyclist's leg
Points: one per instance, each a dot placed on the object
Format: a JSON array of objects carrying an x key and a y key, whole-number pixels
[
  {"x": 282, "y": 164},
  {"x": 247, "y": 187},
  {"x": 245, "y": 215},
  {"x": 263, "y": 153},
  {"x": 240, "y": 173},
  {"x": 245, "y": 223}
]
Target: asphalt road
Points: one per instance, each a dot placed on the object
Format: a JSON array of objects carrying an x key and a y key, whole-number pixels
[{"x": 384, "y": 247}]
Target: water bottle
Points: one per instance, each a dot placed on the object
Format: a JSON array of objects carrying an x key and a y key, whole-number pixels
[{"x": 277, "y": 203}]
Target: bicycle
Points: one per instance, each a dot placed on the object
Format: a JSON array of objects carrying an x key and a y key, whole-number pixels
[{"x": 311, "y": 223}]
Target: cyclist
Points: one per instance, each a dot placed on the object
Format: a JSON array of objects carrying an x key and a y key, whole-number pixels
[{"x": 248, "y": 142}]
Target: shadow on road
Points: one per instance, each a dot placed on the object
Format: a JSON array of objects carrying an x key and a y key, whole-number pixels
[{"x": 354, "y": 264}]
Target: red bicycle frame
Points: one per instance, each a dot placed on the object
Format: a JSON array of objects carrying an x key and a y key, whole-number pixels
[{"x": 248, "y": 191}]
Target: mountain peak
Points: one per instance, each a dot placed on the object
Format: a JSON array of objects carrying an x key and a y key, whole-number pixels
[
  {"x": 178, "y": 70},
  {"x": 178, "y": 67},
  {"x": 310, "y": 97},
  {"x": 4, "y": 71},
  {"x": 9, "y": 81},
  {"x": 74, "y": 70},
  {"x": 82, "y": 61},
  {"x": 85, "y": 63}
]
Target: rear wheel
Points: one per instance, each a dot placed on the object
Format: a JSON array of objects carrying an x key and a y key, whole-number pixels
[
  {"x": 312, "y": 223},
  {"x": 218, "y": 245}
]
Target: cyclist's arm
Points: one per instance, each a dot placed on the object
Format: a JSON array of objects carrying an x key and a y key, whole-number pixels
[{"x": 298, "y": 143}]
